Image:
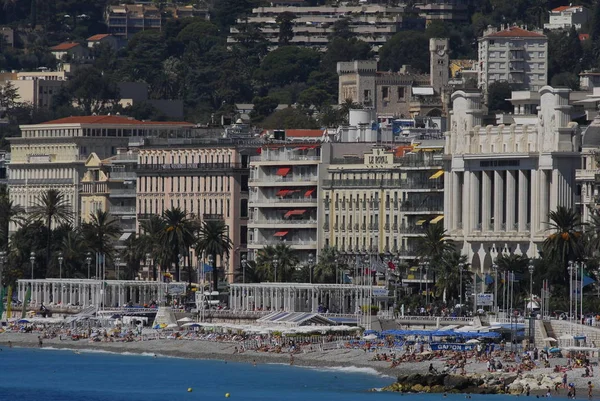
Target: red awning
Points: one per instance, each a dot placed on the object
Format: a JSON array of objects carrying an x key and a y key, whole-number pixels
[
  {"x": 282, "y": 192},
  {"x": 295, "y": 213},
  {"x": 302, "y": 148},
  {"x": 283, "y": 171},
  {"x": 309, "y": 193},
  {"x": 280, "y": 234}
]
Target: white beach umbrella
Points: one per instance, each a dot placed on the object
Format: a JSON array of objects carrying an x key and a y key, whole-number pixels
[
  {"x": 172, "y": 326},
  {"x": 185, "y": 320},
  {"x": 549, "y": 339},
  {"x": 370, "y": 337},
  {"x": 566, "y": 337},
  {"x": 473, "y": 341}
]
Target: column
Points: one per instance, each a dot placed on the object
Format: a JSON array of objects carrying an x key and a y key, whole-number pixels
[
  {"x": 474, "y": 201},
  {"x": 466, "y": 201},
  {"x": 510, "y": 200},
  {"x": 543, "y": 200},
  {"x": 499, "y": 201},
  {"x": 456, "y": 211},
  {"x": 525, "y": 196},
  {"x": 448, "y": 197},
  {"x": 486, "y": 200}
]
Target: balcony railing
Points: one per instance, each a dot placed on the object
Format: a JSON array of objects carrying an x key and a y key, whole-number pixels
[
  {"x": 411, "y": 229},
  {"x": 401, "y": 184},
  {"x": 422, "y": 207},
  {"x": 289, "y": 178},
  {"x": 122, "y": 209},
  {"x": 122, "y": 175},
  {"x": 290, "y": 242},
  {"x": 123, "y": 192},
  {"x": 191, "y": 166},
  {"x": 282, "y": 221},
  {"x": 269, "y": 157},
  {"x": 283, "y": 200}
]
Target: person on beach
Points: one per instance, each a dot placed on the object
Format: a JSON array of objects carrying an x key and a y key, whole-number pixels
[
  {"x": 291, "y": 359},
  {"x": 590, "y": 390},
  {"x": 40, "y": 341},
  {"x": 564, "y": 380}
]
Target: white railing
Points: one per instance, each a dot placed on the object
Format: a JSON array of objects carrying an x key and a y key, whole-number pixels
[
  {"x": 123, "y": 175},
  {"x": 284, "y": 157},
  {"x": 277, "y": 242},
  {"x": 122, "y": 209},
  {"x": 282, "y": 221},
  {"x": 284, "y": 200},
  {"x": 290, "y": 178}
]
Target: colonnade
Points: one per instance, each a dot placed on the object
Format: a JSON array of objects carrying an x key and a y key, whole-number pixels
[
  {"x": 84, "y": 292},
  {"x": 503, "y": 200},
  {"x": 299, "y": 297}
]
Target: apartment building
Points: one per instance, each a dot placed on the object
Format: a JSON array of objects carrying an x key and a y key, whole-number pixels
[
  {"x": 206, "y": 178},
  {"x": 283, "y": 193},
  {"x": 52, "y": 155},
  {"x": 502, "y": 181},
  {"x": 513, "y": 55},
  {"x": 372, "y": 23},
  {"x": 566, "y": 17},
  {"x": 444, "y": 10},
  {"x": 37, "y": 87},
  {"x": 587, "y": 196},
  {"x": 125, "y": 20},
  {"x": 379, "y": 199}
]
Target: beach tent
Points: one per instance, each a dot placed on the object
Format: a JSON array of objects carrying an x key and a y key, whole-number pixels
[{"x": 185, "y": 320}]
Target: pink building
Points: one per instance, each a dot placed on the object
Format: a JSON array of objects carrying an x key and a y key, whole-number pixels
[{"x": 207, "y": 181}]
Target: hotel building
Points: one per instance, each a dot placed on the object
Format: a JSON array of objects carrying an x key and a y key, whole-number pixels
[
  {"x": 283, "y": 193},
  {"x": 513, "y": 55},
  {"x": 208, "y": 179},
  {"x": 53, "y": 155},
  {"x": 502, "y": 181}
]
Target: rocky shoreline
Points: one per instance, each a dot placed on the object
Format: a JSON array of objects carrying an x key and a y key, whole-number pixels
[{"x": 474, "y": 383}]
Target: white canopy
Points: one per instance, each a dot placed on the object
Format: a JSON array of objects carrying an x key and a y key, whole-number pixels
[{"x": 185, "y": 319}]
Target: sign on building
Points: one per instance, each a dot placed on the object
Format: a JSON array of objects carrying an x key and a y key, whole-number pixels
[{"x": 485, "y": 299}]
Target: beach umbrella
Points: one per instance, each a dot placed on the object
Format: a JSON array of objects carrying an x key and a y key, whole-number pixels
[
  {"x": 549, "y": 339},
  {"x": 566, "y": 337},
  {"x": 473, "y": 341},
  {"x": 23, "y": 321},
  {"x": 370, "y": 337},
  {"x": 554, "y": 350},
  {"x": 172, "y": 326},
  {"x": 185, "y": 320}
]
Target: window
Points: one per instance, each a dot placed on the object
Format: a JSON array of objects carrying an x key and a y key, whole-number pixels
[
  {"x": 385, "y": 92},
  {"x": 400, "y": 92}
]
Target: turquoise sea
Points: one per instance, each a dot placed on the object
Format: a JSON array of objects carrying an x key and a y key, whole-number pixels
[{"x": 60, "y": 375}]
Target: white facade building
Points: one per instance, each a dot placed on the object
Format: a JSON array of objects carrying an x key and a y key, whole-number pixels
[
  {"x": 588, "y": 176},
  {"x": 283, "y": 195},
  {"x": 565, "y": 17},
  {"x": 513, "y": 55},
  {"x": 502, "y": 181}
]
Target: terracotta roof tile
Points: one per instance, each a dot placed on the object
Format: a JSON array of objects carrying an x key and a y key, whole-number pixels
[
  {"x": 299, "y": 133},
  {"x": 113, "y": 120},
  {"x": 563, "y": 8},
  {"x": 515, "y": 32},
  {"x": 98, "y": 37},
  {"x": 64, "y": 46}
]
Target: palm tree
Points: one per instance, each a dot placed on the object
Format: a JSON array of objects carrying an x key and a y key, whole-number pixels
[
  {"x": 73, "y": 250},
  {"x": 515, "y": 264},
  {"x": 566, "y": 240},
  {"x": 101, "y": 231},
  {"x": 326, "y": 271},
  {"x": 51, "y": 206},
  {"x": 9, "y": 213},
  {"x": 178, "y": 236},
  {"x": 150, "y": 241},
  {"x": 433, "y": 244},
  {"x": 287, "y": 262},
  {"x": 213, "y": 239},
  {"x": 448, "y": 273},
  {"x": 132, "y": 255},
  {"x": 251, "y": 275}
]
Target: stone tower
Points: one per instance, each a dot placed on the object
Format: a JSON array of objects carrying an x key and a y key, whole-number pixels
[{"x": 439, "y": 64}]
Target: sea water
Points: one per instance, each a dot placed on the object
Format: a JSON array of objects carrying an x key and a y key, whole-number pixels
[{"x": 61, "y": 375}]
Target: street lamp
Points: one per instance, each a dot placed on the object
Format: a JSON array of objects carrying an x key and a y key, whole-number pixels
[
  {"x": 495, "y": 269},
  {"x": 88, "y": 261},
  {"x": 181, "y": 263},
  {"x": 461, "y": 266},
  {"x": 531, "y": 268},
  {"x": 32, "y": 260},
  {"x": 570, "y": 268},
  {"x": 150, "y": 267},
  {"x": 427, "y": 283},
  {"x": 244, "y": 264},
  {"x": 214, "y": 268},
  {"x": 60, "y": 262},
  {"x": 275, "y": 264},
  {"x": 117, "y": 265},
  {"x": 310, "y": 266}
]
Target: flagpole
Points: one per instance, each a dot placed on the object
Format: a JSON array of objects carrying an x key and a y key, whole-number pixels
[{"x": 581, "y": 293}]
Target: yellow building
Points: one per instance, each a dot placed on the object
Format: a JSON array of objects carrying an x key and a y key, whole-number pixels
[{"x": 380, "y": 201}]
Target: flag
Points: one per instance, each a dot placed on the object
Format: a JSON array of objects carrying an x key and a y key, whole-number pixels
[
  {"x": 391, "y": 265},
  {"x": 587, "y": 280}
]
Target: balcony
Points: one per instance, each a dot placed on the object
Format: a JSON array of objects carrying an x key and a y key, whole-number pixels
[
  {"x": 256, "y": 200},
  {"x": 122, "y": 176},
  {"x": 587, "y": 175},
  {"x": 266, "y": 180},
  {"x": 283, "y": 157},
  {"x": 122, "y": 210},
  {"x": 294, "y": 243},
  {"x": 94, "y": 188},
  {"x": 400, "y": 184},
  {"x": 434, "y": 207},
  {"x": 196, "y": 168},
  {"x": 411, "y": 229},
  {"x": 212, "y": 217},
  {"x": 283, "y": 222},
  {"x": 122, "y": 193}
]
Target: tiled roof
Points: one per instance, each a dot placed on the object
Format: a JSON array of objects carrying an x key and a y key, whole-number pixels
[
  {"x": 563, "y": 8},
  {"x": 113, "y": 120},
  {"x": 98, "y": 37},
  {"x": 299, "y": 133},
  {"x": 584, "y": 36},
  {"x": 64, "y": 46},
  {"x": 515, "y": 32}
]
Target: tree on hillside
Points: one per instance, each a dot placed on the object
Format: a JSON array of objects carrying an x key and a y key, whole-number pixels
[
  {"x": 91, "y": 91},
  {"x": 405, "y": 48},
  {"x": 288, "y": 64},
  {"x": 285, "y": 20},
  {"x": 498, "y": 92},
  {"x": 289, "y": 118},
  {"x": 263, "y": 107}
]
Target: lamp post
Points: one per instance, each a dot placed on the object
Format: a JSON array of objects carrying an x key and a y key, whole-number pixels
[
  {"x": 88, "y": 261},
  {"x": 461, "y": 266},
  {"x": 60, "y": 262},
  {"x": 427, "y": 283},
  {"x": 150, "y": 266},
  {"x": 570, "y": 268},
  {"x": 117, "y": 265},
  {"x": 181, "y": 263},
  {"x": 495, "y": 269},
  {"x": 310, "y": 266},
  {"x": 531, "y": 268},
  {"x": 214, "y": 268},
  {"x": 2, "y": 262},
  {"x": 32, "y": 260},
  {"x": 244, "y": 263},
  {"x": 275, "y": 264}
]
